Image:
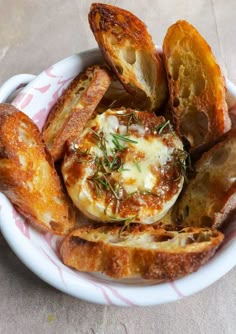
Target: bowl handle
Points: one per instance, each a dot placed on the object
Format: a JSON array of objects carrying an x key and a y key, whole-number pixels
[{"x": 14, "y": 83}]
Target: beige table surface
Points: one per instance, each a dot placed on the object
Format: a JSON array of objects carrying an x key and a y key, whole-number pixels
[{"x": 35, "y": 34}]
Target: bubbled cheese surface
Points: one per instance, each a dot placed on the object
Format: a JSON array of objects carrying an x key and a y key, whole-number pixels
[{"x": 126, "y": 166}]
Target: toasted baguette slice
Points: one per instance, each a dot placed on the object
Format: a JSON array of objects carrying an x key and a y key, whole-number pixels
[
  {"x": 147, "y": 252},
  {"x": 131, "y": 53},
  {"x": 210, "y": 196},
  {"x": 74, "y": 108},
  {"x": 27, "y": 174},
  {"x": 196, "y": 85}
]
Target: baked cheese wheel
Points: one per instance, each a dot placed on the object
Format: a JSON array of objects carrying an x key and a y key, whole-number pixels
[{"x": 126, "y": 166}]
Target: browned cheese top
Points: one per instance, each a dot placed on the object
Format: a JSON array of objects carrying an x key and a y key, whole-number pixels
[{"x": 126, "y": 166}]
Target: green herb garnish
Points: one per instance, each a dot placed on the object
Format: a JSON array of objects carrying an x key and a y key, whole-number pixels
[
  {"x": 97, "y": 135},
  {"x": 137, "y": 166},
  {"x": 142, "y": 192},
  {"x": 113, "y": 190},
  {"x": 183, "y": 162},
  {"x": 127, "y": 222},
  {"x": 160, "y": 128},
  {"x": 117, "y": 145},
  {"x": 132, "y": 117},
  {"x": 123, "y": 138}
]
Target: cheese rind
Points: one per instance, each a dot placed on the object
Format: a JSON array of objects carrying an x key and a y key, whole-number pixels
[{"x": 124, "y": 167}]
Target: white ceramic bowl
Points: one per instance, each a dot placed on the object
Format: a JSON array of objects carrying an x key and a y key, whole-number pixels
[{"x": 39, "y": 251}]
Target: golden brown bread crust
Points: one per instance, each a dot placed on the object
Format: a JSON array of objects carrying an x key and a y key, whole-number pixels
[
  {"x": 27, "y": 174},
  {"x": 210, "y": 196},
  {"x": 167, "y": 255},
  {"x": 130, "y": 51},
  {"x": 74, "y": 108},
  {"x": 196, "y": 85}
]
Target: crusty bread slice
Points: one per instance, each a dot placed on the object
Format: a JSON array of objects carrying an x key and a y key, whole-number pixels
[
  {"x": 196, "y": 85},
  {"x": 210, "y": 196},
  {"x": 143, "y": 251},
  {"x": 27, "y": 174},
  {"x": 74, "y": 108},
  {"x": 131, "y": 53}
]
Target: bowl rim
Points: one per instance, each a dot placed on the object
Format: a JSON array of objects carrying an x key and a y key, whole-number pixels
[{"x": 114, "y": 292}]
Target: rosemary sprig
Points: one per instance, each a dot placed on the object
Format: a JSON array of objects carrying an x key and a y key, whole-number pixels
[
  {"x": 132, "y": 118},
  {"x": 131, "y": 194},
  {"x": 115, "y": 219},
  {"x": 116, "y": 163},
  {"x": 112, "y": 103},
  {"x": 100, "y": 180},
  {"x": 123, "y": 138},
  {"x": 141, "y": 192},
  {"x": 127, "y": 222},
  {"x": 135, "y": 118},
  {"x": 96, "y": 178},
  {"x": 121, "y": 169},
  {"x": 98, "y": 184},
  {"x": 108, "y": 163},
  {"x": 117, "y": 145},
  {"x": 97, "y": 135},
  {"x": 111, "y": 188},
  {"x": 112, "y": 201},
  {"x": 160, "y": 128},
  {"x": 183, "y": 161},
  {"x": 137, "y": 165},
  {"x": 81, "y": 155}
]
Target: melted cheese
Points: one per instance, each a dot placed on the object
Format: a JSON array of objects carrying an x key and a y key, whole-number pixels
[
  {"x": 139, "y": 190},
  {"x": 157, "y": 154}
]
